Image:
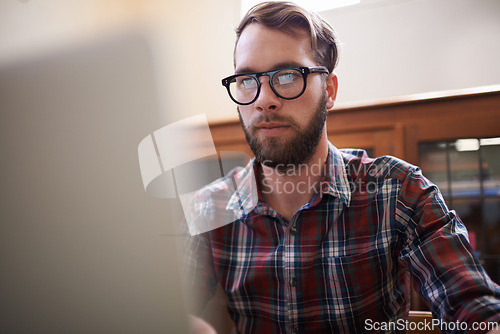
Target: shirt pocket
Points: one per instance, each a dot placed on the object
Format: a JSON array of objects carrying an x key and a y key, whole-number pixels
[{"x": 359, "y": 283}]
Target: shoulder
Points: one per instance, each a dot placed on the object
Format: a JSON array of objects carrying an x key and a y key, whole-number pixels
[
  {"x": 359, "y": 164},
  {"x": 206, "y": 209},
  {"x": 219, "y": 190},
  {"x": 221, "y": 202},
  {"x": 391, "y": 177}
]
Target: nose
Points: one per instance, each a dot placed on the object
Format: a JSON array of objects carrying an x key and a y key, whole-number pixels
[{"x": 267, "y": 101}]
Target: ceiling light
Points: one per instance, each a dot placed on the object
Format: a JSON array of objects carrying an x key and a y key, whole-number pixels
[
  {"x": 465, "y": 145},
  {"x": 490, "y": 141}
]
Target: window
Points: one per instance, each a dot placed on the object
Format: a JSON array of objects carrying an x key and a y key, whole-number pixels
[{"x": 467, "y": 171}]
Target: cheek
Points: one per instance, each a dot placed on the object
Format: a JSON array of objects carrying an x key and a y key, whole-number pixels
[
  {"x": 306, "y": 105},
  {"x": 316, "y": 88},
  {"x": 244, "y": 115}
]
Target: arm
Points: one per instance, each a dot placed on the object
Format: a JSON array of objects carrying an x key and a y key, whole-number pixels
[
  {"x": 201, "y": 280},
  {"x": 440, "y": 259},
  {"x": 200, "y": 326}
]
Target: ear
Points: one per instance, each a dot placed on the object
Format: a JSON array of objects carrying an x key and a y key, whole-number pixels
[{"x": 331, "y": 90}]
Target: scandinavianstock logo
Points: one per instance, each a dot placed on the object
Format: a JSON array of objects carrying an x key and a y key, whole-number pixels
[{"x": 177, "y": 160}]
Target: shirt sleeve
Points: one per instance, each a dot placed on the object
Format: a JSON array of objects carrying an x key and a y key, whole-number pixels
[
  {"x": 441, "y": 261},
  {"x": 201, "y": 280}
]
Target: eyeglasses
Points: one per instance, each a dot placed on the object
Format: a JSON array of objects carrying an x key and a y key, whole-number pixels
[{"x": 287, "y": 83}]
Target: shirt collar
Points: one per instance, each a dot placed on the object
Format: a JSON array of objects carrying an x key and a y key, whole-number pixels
[
  {"x": 245, "y": 197},
  {"x": 334, "y": 182}
]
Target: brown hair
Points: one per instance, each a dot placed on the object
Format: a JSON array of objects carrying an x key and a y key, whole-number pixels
[{"x": 290, "y": 18}]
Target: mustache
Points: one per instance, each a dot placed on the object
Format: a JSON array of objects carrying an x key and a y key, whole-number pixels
[{"x": 273, "y": 117}]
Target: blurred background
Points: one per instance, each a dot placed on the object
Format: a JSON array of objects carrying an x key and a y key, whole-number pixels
[
  {"x": 82, "y": 247},
  {"x": 390, "y": 47}
]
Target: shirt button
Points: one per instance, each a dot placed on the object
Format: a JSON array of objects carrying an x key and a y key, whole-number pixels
[
  {"x": 293, "y": 282},
  {"x": 293, "y": 231}
]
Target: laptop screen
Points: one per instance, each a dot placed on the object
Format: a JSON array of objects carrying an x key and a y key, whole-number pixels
[{"x": 83, "y": 247}]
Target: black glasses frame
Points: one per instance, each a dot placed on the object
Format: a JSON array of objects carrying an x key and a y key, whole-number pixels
[{"x": 305, "y": 71}]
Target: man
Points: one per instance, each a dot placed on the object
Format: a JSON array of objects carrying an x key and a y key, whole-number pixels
[{"x": 333, "y": 237}]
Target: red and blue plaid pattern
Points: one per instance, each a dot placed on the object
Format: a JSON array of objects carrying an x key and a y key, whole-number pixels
[{"x": 346, "y": 256}]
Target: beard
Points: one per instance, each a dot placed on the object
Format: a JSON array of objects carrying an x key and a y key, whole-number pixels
[{"x": 285, "y": 153}]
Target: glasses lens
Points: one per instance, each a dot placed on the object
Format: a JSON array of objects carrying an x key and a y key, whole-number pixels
[
  {"x": 288, "y": 83},
  {"x": 243, "y": 88}
]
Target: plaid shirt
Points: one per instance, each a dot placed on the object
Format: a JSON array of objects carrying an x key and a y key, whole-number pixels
[{"x": 346, "y": 256}]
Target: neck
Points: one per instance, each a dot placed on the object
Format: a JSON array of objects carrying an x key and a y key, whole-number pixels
[{"x": 287, "y": 189}]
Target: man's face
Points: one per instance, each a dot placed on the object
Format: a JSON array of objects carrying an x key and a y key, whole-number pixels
[{"x": 281, "y": 132}]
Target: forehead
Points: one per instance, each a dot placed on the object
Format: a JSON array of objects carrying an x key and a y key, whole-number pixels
[{"x": 261, "y": 49}]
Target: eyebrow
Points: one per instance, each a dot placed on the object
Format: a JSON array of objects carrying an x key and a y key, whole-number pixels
[{"x": 249, "y": 70}]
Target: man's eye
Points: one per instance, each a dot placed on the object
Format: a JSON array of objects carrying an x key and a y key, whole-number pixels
[
  {"x": 248, "y": 83},
  {"x": 286, "y": 78}
]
